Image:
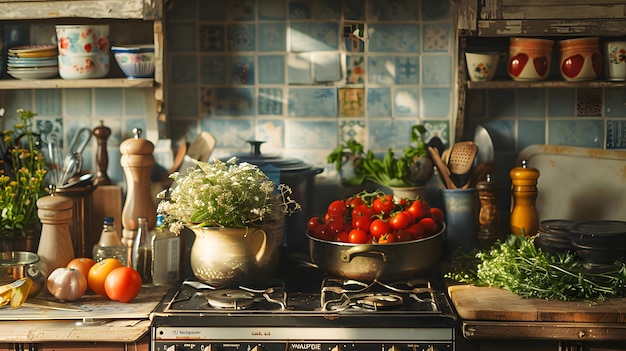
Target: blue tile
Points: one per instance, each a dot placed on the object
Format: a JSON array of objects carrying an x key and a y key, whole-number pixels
[
  {"x": 272, "y": 37},
  {"x": 406, "y": 102},
  {"x": 184, "y": 100},
  {"x": 616, "y": 134},
  {"x": 310, "y": 134},
  {"x": 584, "y": 133},
  {"x": 614, "y": 105},
  {"x": 561, "y": 102},
  {"x": 398, "y": 10},
  {"x": 271, "y": 69},
  {"x": 379, "y": 102},
  {"x": 299, "y": 70},
  {"x": 326, "y": 10},
  {"x": 272, "y": 131},
  {"x": 407, "y": 70},
  {"x": 234, "y": 102},
  {"x": 435, "y": 10},
  {"x": 241, "y": 37},
  {"x": 272, "y": 10},
  {"x": 242, "y": 70},
  {"x": 531, "y": 102},
  {"x": 389, "y": 133},
  {"x": 103, "y": 98},
  {"x": 326, "y": 66},
  {"x": 440, "y": 129},
  {"x": 393, "y": 38},
  {"x": 313, "y": 102},
  {"x": 217, "y": 11},
  {"x": 48, "y": 102},
  {"x": 381, "y": 70},
  {"x": 436, "y": 70},
  {"x": 78, "y": 103},
  {"x": 213, "y": 69},
  {"x": 354, "y": 10},
  {"x": 306, "y": 37},
  {"x": 501, "y": 103},
  {"x": 211, "y": 38},
  {"x": 530, "y": 133},
  {"x": 437, "y": 37},
  {"x": 232, "y": 133},
  {"x": 181, "y": 37},
  {"x": 352, "y": 129},
  {"x": 299, "y": 9},
  {"x": 271, "y": 101},
  {"x": 185, "y": 69},
  {"x": 436, "y": 102}
]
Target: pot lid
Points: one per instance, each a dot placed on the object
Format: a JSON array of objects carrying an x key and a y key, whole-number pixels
[
  {"x": 605, "y": 228},
  {"x": 255, "y": 157}
]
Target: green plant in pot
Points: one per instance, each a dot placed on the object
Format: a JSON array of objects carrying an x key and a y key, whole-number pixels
[
  {"x": 21, "y": 181},
  {"x": 236, "y": 213},
  {"x": 412, "y": 169}
]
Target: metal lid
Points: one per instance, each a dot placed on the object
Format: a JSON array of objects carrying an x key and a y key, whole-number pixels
[
  {"x": 598, "y": 228},
  {"x": 262, "y": 160}
]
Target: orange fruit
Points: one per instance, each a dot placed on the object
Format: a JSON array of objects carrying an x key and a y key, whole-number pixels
[
  {"x": 98, "y": 273},
  {"x": 82, "y": 264}
]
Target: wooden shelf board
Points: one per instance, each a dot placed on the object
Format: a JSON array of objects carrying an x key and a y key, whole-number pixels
[
  {"x": 511, "y": 84},
  {"x": 14, "y": 84}
]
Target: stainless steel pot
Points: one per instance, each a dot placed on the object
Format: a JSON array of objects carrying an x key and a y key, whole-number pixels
[
  {"x": 16, "y": 265},
  {"x": 300, "y": 177},
  {"x": 367, "y": 262}
]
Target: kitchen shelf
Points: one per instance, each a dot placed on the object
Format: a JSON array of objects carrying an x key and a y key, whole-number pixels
[
  {"x": 14, "y": 84},
  {"x": 122, "y": 9},
  {"x": 511, "y": 84},
  {"x": 550, "y": 27}
]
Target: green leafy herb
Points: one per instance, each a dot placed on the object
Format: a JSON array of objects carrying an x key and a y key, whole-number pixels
[{"x": 519, "y": 266}]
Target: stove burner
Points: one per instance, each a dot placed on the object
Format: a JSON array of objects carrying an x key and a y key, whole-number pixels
[
  {"x": 364, "y": 301},
  {"x": 230, "y": 298}
]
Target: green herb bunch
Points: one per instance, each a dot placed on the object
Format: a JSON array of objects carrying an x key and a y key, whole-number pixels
[
  {"x": 223, "y": 194},
  {"x": 21, "y": 177},
  {"x": 517, "y": 265}
]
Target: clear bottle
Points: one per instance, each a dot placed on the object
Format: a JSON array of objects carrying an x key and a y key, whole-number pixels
[
  {"x": 110, "y": 244},
  {"x": 165, "y": 255},
  {"x": 142, "y": 252}
]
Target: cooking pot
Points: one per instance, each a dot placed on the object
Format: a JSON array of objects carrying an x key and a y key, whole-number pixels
[
  {"x": 16, "y": 265},
  {"x": 300, "y": 177},
  {"x": 385, "y": 262}
]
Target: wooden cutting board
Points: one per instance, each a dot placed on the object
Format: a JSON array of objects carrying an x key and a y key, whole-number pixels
[{"x": 493, "y": 304}]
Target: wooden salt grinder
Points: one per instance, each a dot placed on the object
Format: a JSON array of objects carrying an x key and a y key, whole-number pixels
[
  {"x": 137, "y": 160},
  {"x": 55, "y": 245},
  {"x": 524, "y": 215},
  {"x": 489, "y": 215},
  {"x": 102, "y": 133}
]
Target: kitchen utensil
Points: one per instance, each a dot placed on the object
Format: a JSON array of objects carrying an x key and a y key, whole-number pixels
[
  {"x": 71, "y": 166},
  {"x": 15, "y": 265},
  {"x": 437, "y": 144},
  {"x": 443, "y": 169},
  {"x": 369, "y": 262},
  {"x": 79, "y": 141},
  {"x": 54, "y": 160},
  {"x": 484, "y": 142},
  {"x": 461, "y": 161},
  {"x": 479, "y": 173}
]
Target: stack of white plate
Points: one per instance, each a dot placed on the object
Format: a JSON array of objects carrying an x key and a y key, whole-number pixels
[{"x": 33, "y": 62}]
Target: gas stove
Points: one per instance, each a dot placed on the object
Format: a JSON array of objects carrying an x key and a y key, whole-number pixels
[{"x": 303, "y": 309}]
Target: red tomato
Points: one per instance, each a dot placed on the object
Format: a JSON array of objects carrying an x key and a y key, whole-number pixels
[
  {"x": 387, "y": 238},
  {"x": 357, "y": 236},
  {"x": 341, "y": 237},
  {"x": 337, "y": 207},
  {"x": 400, "y": 220},
  {"x": 418, "y": 209},
  {"x": 313, "y": 223},
  {"x": 363, "y": 211},
  {"x": 335, "y": 223},
  {"x": 122, "y": 284},
  {"x": 403, "y": 235},
  {"x": 362, "y": 223},
  {"x": 323, "y": 232},
  {"x": 354, "y": 202},
  {"x": 416, "y": 231},
  {"x": 383, "y": 204},
  {"x": 437, "y": 214},
  {"x": 430, "y": 227},
  {"x": 379, "y": 227}
]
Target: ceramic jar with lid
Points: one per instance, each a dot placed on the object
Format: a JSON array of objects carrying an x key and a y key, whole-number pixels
[
  {"x": 580, "y": 59},
  {"x": 529, "y": 58}
]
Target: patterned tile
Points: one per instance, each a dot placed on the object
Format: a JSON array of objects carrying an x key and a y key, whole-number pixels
[
  {"x": 616, "y": 134},
  {"x": 272, "y": 131},
  {"x": 354, "y": 10},
  {"x": 185, "y": 71},
  {"x": 242, "y": 70},
  {"x": 381, "y": 70},
  {"x": 50, "y": 129},
  {"x": 313, "y": 102},
  {"x": 213, "y": 69},
  {"x": 326, "y": 66},
  {"x": 306, "y": 37},
  {"x": 241, "y": 37},
  {"x": 440, "y": 129},
  {"x": 211, "y": 38},
  {"x": 379, "y": 102},
  {"x": 407, "y": 70},
  {"x": 271, "y": 69},
  {"x": 352, "y": 129},
  {"x": 531, "y": 102},
  {"x": 406, "y": 102},
  {"x": 234, "y": 102},
  {"x": 351, "y": 102},
  {"x": 231, "y": 133},
  {"x": 436, "y": 70},
  {"x": 588, "y": 102},
  {"x": 241, "y": 10},
  {"x": 270, "y": 101},
  {"x": 355, "y": 69},
  {"x": 299, "y": 70},
  {"x": 272, "y": 37},
  {"x": 584, "y": 133},
  {"x": 272, "y": 10},
  {"x": 392, "y": 10},
  {"x": 437, "y": 37},
  {"x": 310, "y": 134},
  {"x": 439, "y": 102},
  {"x": 393, "y": 38}
]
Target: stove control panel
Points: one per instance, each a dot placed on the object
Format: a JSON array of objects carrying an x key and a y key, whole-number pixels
[{"x": 300, "y": 346}]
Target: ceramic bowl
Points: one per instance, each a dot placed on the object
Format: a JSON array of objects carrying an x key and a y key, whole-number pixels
[
  {"x": 481, "y": 66},
  {"x": 529, "y": 58},
  {"x": 135, "y": 61},
  {"x": 83, "y": 66},
  {"x": 82, "y": 39},
  {"x": 580, "y": 59}
]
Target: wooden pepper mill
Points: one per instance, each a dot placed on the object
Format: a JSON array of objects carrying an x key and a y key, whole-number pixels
[
  {"x": 55, "y": 245},
  {"x": 524, "y": 215},
  {"x": 137, "y": 161},
  {"x": 489, "y": 215},
  {"x": 102, "y": 133}
]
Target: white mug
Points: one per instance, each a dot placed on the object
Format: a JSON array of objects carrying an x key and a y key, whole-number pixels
[
  {"x": 482, "y": 66},
  {"x": 615, "y": 66}
]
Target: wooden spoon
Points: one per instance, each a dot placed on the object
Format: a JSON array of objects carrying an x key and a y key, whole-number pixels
[{"x": 443, "y": 170}]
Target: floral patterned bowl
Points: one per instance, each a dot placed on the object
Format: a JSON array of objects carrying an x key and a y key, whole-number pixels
[
  {"x": 85, "y": 66},
  {"x": 135, "y": 61},
  {"x": 82, "y": 39}
]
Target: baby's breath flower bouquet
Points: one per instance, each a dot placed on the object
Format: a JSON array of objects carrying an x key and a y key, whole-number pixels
[
  {"x": 22, "y": 173},
  {"x": 223, "y": 194}
]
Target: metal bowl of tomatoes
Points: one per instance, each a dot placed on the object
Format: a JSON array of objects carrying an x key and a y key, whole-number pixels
[{"x": 400, "y": 241}]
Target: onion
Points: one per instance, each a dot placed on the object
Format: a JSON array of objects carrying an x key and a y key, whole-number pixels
[{"x": 67, "y": 284}]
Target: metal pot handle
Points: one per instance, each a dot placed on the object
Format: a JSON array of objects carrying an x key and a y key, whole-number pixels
[{"x": 346, "y": 255}]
